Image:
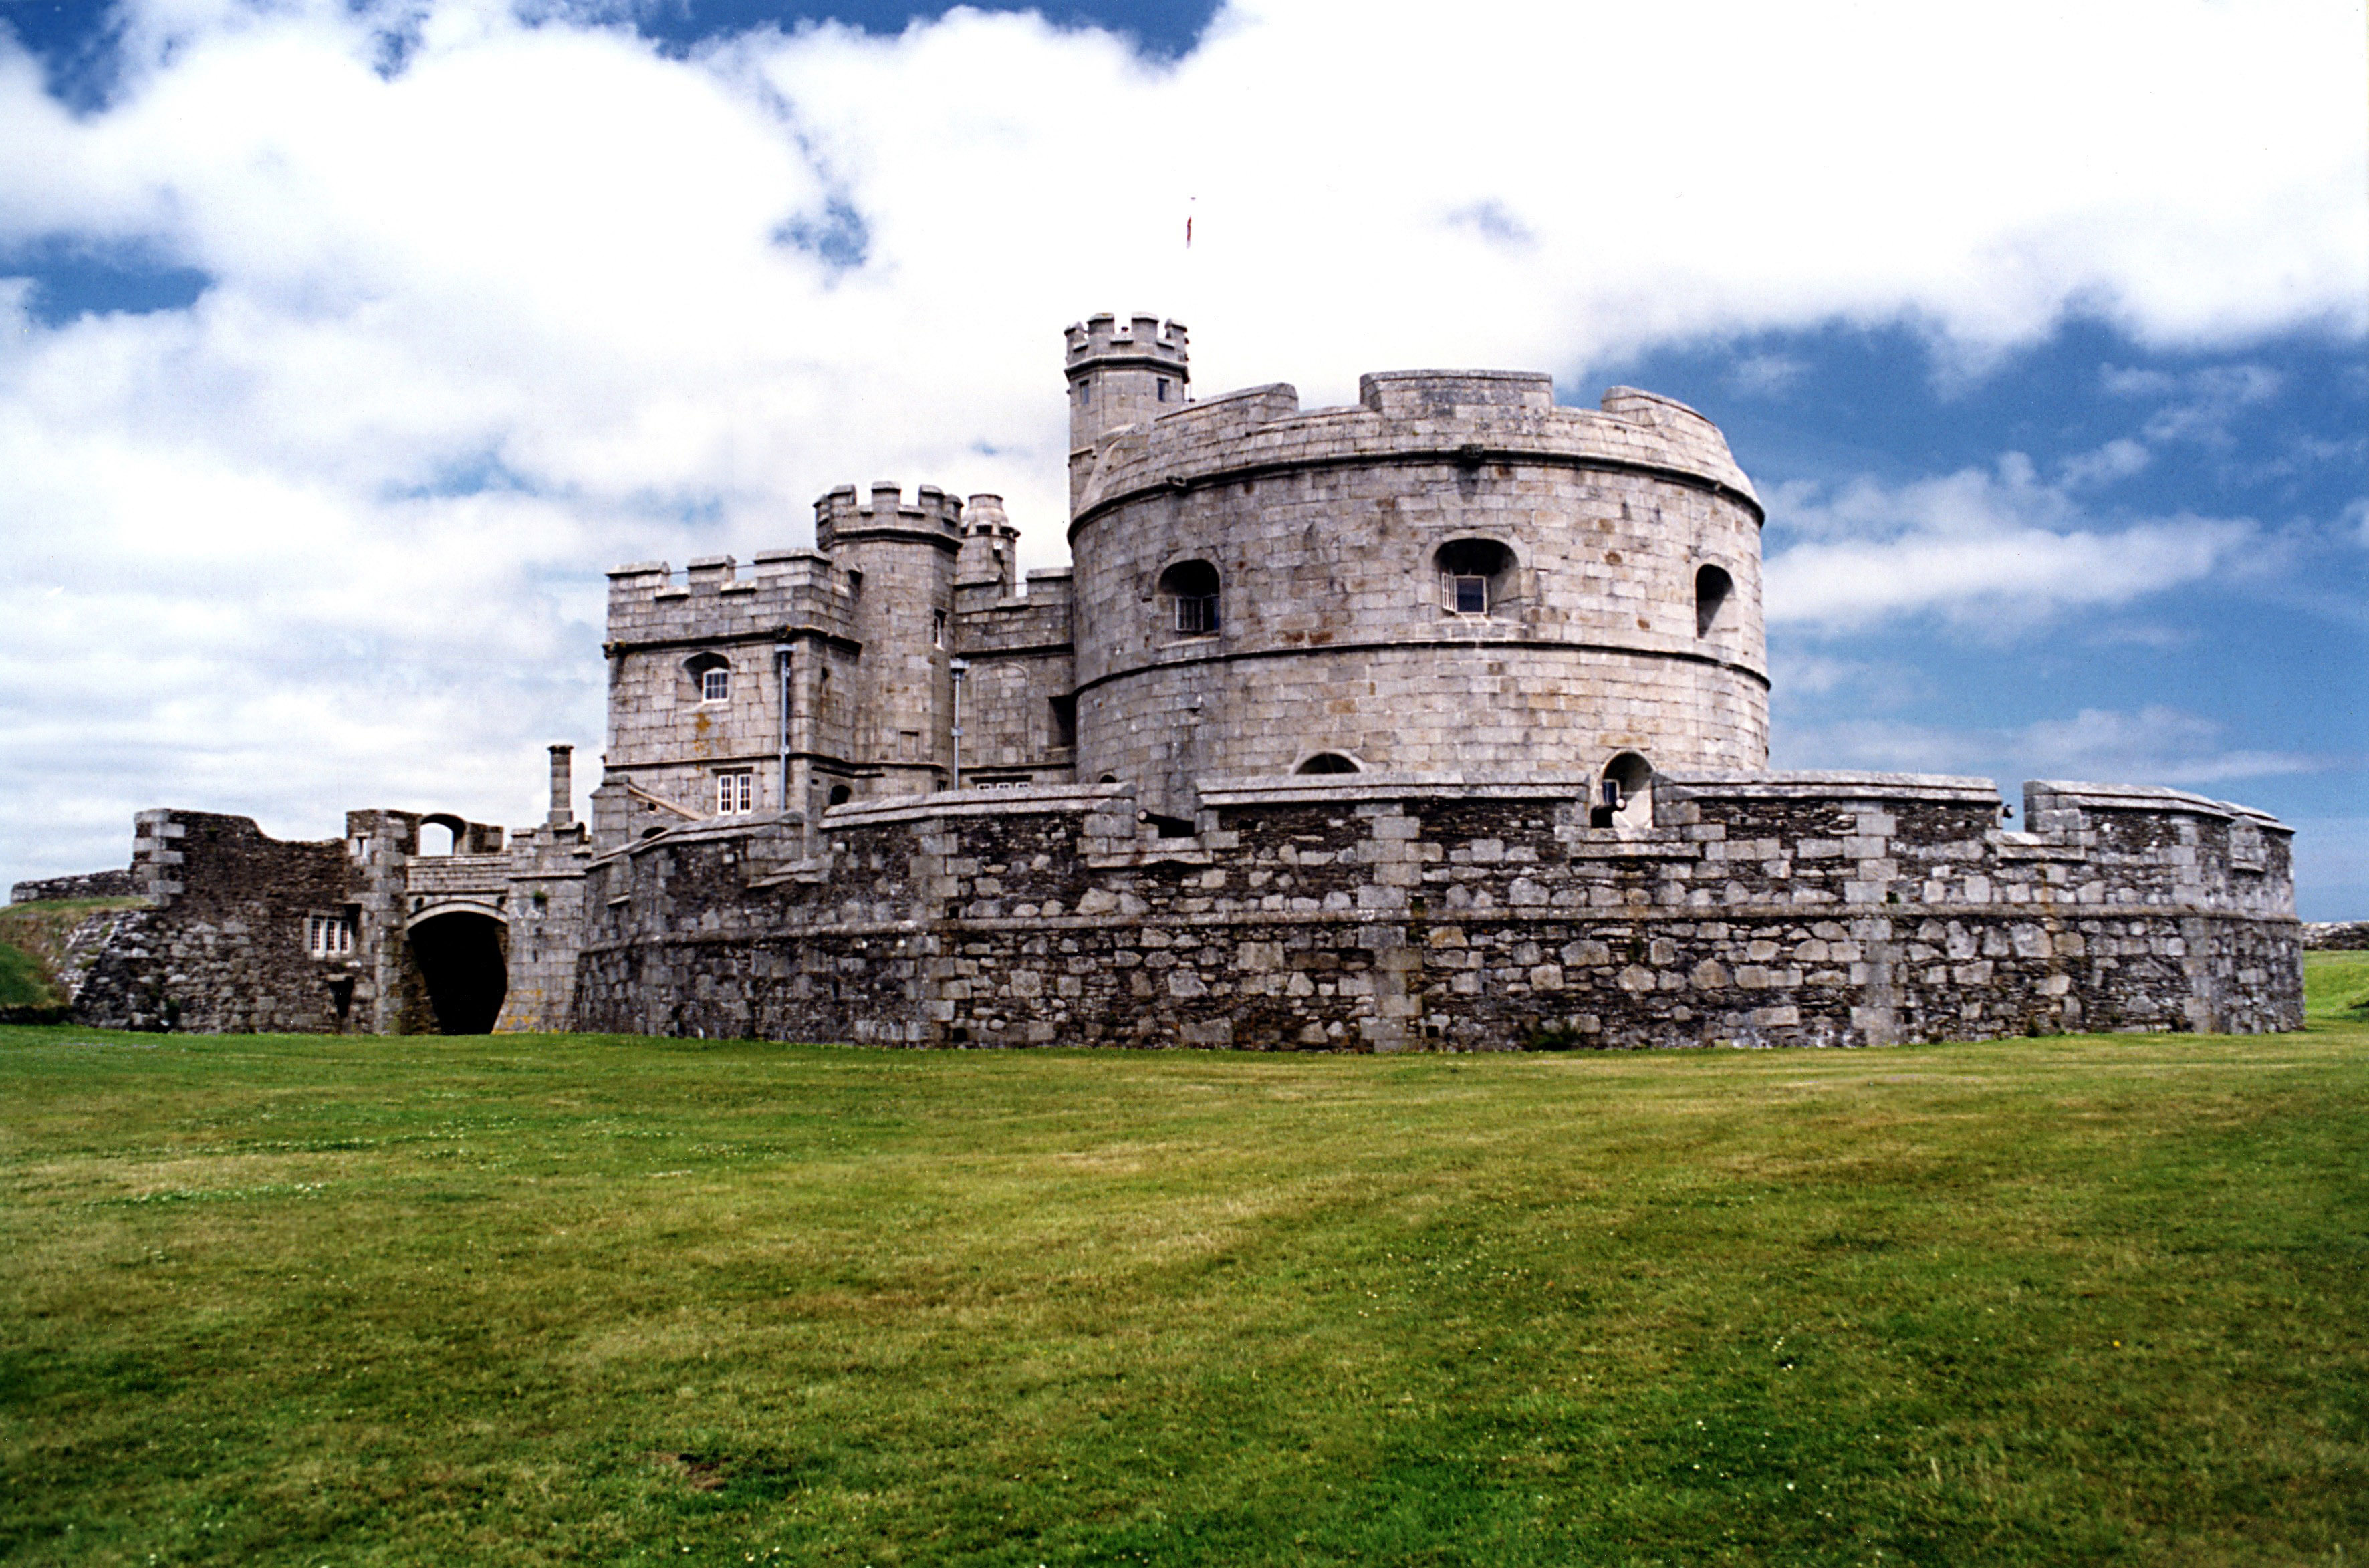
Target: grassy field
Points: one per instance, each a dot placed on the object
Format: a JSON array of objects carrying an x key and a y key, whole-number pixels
[
  {"x": 33, "y": 946},
  {"x": 564, "y": 1300}
]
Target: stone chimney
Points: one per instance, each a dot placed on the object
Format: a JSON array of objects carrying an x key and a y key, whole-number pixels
[{"x": 563, "y": 788}]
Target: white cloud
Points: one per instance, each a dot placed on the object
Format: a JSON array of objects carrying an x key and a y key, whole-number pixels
[
  {"x": 554, "y": 255},
  {"x": 2198, "y": 406},
  {"x": 1994, "y": 545},
  {"x": 2156, "y": 744}
]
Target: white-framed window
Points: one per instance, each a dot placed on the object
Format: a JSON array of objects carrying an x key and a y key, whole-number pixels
[
  {"x": 736, "y": 793},
  {"x": 329, "y": 936},
  {"x": 710, "y": 675},
  {"x": 1475, "y": 575}
]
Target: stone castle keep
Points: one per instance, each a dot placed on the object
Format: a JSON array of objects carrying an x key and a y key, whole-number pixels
[{"x": 1440, "y": 720}]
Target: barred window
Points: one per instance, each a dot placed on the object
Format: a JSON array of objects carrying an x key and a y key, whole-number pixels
[{"x": 1191, "y": 588}]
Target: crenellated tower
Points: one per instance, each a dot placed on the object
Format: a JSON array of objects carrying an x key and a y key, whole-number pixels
[
  {"x": 899, "y": 563},
  {"x": 1120, "y": 375}
]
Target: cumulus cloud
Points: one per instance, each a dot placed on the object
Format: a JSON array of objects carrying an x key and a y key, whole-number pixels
[
  {"x": 1990, "y": 545},
  {"x": 487, "y": 304}
]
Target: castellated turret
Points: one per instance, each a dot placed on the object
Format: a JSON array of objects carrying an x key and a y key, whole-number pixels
[
  {"x": 990, "y": 562},
  {"x": 898, "y": 559},
  {"x": 1120, "y": 375}
]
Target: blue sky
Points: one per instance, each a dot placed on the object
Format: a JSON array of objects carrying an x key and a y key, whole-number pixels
[{"x": 341, "y": 345}]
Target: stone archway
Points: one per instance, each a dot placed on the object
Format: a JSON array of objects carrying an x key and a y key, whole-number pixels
[{"x": 459, "y": 955}]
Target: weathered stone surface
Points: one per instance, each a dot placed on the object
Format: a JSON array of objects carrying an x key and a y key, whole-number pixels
[
  {"x": 957, "y": 920},
  {"x": 1432, "y": 721},
  {"x": 115, "y": 883}
]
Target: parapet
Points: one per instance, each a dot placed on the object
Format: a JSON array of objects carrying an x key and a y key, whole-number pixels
[
  {"x": 1142, "y": 337},
  {"x": 1464, "y": 416},
  {"x": 714, "y": 600},
  {"x": 932, "y": 514},
  {"x": 1414, "y": 394}
]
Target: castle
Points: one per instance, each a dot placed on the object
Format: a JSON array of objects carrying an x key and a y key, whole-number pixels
[{"x": 1438, "y": 720}]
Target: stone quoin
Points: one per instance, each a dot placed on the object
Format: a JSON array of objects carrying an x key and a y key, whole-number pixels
[{"x": 1438, "y": 721}]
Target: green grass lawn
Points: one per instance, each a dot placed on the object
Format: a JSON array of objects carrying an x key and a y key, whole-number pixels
[
  {"x": 33, "y": 946},
  {"x": 560, "y": 1300}
]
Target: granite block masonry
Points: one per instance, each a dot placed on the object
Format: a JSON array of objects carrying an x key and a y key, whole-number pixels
[{"x": 1435, "y": 722}]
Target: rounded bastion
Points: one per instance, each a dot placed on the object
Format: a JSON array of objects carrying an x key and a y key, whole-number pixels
[{"x": 1453, "y": 574}]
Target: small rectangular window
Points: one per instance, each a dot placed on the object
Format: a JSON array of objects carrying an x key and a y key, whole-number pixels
[
  {"x": 1164, "y": 389},
  {"x": 1471, "y": 595},
  {"x": 1065, "y": 720},
  {"x": 329, "y": 936},
  {"x": 937, "y": 628},
  {"x": 1197, "y": 612},
  {"x": 735, "y": 793},
  {"x": 715, "y": 686}
]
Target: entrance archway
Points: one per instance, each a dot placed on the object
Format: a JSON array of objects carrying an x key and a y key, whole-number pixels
[{"x": 459, "y": 955}]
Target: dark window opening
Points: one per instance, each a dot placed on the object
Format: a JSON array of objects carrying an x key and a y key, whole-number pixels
[
  {"x": 1713, "y": 588},
  {"x": 839, "y": 795},
  {"x": 1626, "y": 797},
  {"x": 1191, "y": 590},
  {"x": 1169, "y": 827},
  {"x": 1476, "y": 575},
  {"x": 1327, "y": 762},
  {"x": 1065, "y": 720},
  {"x": 1164, "y": 389},
  {"x": 937, "y": 628}
]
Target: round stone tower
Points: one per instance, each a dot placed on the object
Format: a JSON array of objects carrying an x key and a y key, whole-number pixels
[{"x": 1455, "y": 575}]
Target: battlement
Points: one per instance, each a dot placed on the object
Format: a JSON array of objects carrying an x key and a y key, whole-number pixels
[
  {"x": 1460, "y": 416},
  {"x": 1413, "y": 394},
  {"x": 1142, "y": 337},
  {"x": 839, "y": 514},
  {"x": 712, "y": 598}
]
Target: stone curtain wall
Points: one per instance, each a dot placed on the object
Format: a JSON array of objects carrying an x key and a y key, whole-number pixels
[
  {"x": 1396, "y": 914},
  {"x": 119, "y": 884},
  {"x": 224, "y": 948}
]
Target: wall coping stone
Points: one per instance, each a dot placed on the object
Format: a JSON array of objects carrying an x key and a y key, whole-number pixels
[
  {"x": 2151, "y": 797},
  {"x": 1029, "y": 800},
  {"x": 1831, "y": 785}
]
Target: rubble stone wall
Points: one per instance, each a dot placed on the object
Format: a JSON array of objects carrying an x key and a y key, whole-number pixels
[
  {"x": 111, "y": 884},
  {"x": 1386, "y": 914},
  {"x": 224, "y": 949}
]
